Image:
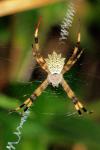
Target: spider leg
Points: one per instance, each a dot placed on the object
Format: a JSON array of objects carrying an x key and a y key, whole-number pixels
[
  {"x": 78, "y": 105},
  {"x": 28, "y": 102},
  {"x": 68, "y": 65},
  {"x": 72, "y": 60},
  {"x": 36, "y": 54},
  {"x": 36, "y": 35}
]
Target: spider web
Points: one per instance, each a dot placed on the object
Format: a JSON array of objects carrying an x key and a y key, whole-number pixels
[
  {"x": 55, "y": 93},
  {"x": 70, "y": 78},
  {"x": 66, "y": 24}
]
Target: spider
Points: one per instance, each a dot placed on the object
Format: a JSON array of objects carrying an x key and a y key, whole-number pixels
[{"x": 55, "y": 67}]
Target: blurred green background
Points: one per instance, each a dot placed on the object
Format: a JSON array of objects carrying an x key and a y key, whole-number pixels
[{"x": 52, "y": 125}]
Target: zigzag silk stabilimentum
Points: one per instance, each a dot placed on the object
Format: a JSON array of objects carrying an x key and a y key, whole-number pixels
[
  {"x": 11, "y": 145},
  {"x": 67, "y": 21}
]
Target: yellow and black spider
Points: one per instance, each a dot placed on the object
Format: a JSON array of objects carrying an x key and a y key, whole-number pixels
[{"x": 55, "y": 67}]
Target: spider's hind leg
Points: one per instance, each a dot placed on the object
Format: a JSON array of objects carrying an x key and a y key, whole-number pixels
[
  {"x": 27, "y": 103},
  {"x": 78, "y": 105}
]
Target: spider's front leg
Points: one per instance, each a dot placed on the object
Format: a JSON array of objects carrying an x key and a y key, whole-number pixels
[
  {"x": 75, "y": 56},
  {"x": 78, "y": 105},
  {"x": 40, "y": 60},
  {"x": 27, "y": 103}
]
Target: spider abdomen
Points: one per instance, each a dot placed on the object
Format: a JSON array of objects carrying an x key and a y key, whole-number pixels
[{"x": 55, "y": 79}]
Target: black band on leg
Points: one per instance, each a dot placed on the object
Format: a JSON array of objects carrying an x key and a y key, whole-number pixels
[
  {"x": 78, "y": 46},
  {"x": 36, "y": 39},
  {"x": 26, "y": 109},
  {"x": 22, "y": 105},
  {"x": 33, "y": 97},
  {"x": 84, "y": 109},
  {"x": 79, "y": 112},
  {"x": 74, "y": 99}
]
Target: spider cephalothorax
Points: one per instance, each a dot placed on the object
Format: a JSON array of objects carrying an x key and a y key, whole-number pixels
[{"x": 55, "y": 67}]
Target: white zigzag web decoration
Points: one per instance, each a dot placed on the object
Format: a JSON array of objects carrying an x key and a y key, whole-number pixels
[
  {"x": 67, "y": 22},
  {"x": 11, "y": 145}
]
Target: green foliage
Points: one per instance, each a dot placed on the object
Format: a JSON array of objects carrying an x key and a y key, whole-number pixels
[{"x": 48, "y": 122}]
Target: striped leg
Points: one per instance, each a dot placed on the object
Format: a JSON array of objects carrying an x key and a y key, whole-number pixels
[
  {"x": 36, "y": 35},
  {"x": 33, "y": 97},
  {"x": 78, "y": 105},
  {"x": 36, "y": 53},
  {"x": 75, "y": 56},
  {"x": 68, "y": 65}
]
